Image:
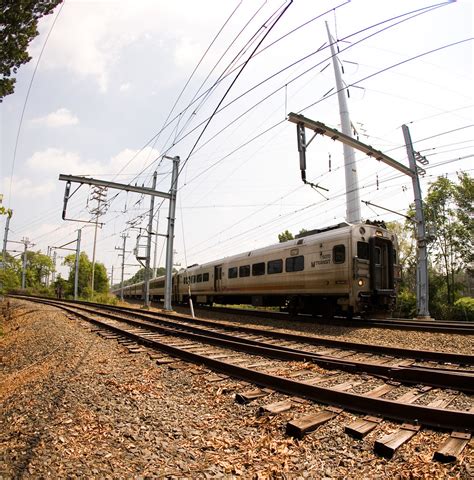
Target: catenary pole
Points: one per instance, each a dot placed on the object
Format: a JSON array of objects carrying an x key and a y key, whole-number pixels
[
  {"x": 76, "y": 269},
  {"x": 422, "y": 295},
  {"x": 169, "y": 243},
  {"x": 5, "y": 241},
  {"x": 148, "y": 246}
]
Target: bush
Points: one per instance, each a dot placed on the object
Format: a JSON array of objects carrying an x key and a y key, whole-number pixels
[
  {"x": 406, "y": 305},
  {"x": 105, "y": 298},
  {"x": 464, "y": 309}
]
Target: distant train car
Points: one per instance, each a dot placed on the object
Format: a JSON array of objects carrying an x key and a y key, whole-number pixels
[{"x": 344, "y": 269}]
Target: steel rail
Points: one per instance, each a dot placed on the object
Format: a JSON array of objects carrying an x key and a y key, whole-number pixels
[
  {"x": 432, "y": 417},
  {"x": 428, "y": 355},
  {"x": 443, "y": 378}
]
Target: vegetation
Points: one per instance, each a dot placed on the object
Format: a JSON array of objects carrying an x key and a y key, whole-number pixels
[
  {"x": 39, "y": 267},
  {"x": 19, "y": 22},
  {"x": 449, "y": 216},
  {"x": 101, "y": 282}
]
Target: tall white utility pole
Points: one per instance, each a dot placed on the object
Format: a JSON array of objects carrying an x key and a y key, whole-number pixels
[{"x": 353, "y": 214}]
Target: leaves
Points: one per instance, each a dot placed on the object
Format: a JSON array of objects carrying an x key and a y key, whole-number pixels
[{"x": 18, "y": 26}]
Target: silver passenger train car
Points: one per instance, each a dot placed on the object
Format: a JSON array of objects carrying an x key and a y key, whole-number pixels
[{"x": 345, "y": 269}]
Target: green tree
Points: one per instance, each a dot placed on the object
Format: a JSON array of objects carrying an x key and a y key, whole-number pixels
[
  {"x": 448, "y": 209},
  {"x": 101, "y": 282},
  {"x": 9, "y": 275},
  {"x": 285, "y": 236},
  {"x": 18, "y": 26},
  {"x": 39, "y": 266}
]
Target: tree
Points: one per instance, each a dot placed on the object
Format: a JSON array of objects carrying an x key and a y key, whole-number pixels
[
  {"x": 448, "y": 209},
  {"x": 39, "y": 266},
  {"x": 10, "y": 273},
  {"x": 101, "y": 282},
  {"x": 285, "y": 236},
  {"x": 18, "y": 26}
]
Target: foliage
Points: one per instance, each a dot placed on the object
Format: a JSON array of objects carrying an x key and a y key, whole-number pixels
[
  {"x": 39, "y": 267},
  {"x": 140, "y": 276},
  {"x": 101, "y": 282},
  {"x": 464, "y": 309},
  {"x": 448, "y": 209},
  {"x": 406, "y": 253},
  {"x": 9, "y": 279},
  {"x": 406, "y": 304},
  {"x": 18, "y": 26},
  {"x": 105, "y": 298},
  {"x": 287, "y": 235}
]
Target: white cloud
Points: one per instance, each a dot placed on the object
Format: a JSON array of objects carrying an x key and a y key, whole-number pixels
[
  {"x": 89, "y": 37},
  {"x": 54, "y": 160},
  {"x": 27, "y": 188},
  {"x": 60, "y": 118},
  {"x": 124, "y": 87},
  {"x": 187, "y": 53}
]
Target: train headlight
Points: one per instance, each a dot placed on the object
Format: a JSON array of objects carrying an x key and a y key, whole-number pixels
[
  {"x": 378, "y": 233},
  {"x": 360, "y": 282}
]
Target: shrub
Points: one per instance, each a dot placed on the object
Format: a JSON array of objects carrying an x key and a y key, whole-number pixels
[
  {"x": 464, "y": 309},
  {"x": 406, "y": 305}
]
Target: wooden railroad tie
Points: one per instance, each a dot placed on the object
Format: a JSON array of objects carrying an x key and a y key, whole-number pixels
[
  {"x": 250, "y": 395},
  {"x": 299, "y": 427},
  {"x": 388, "y": 444},
  {"x": 453, "y": 446},
  {"x": 275, "y": 408}
]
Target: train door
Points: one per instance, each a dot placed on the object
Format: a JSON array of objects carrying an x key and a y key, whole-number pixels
[
  {"x": 218, "y": 278},
  {"x": 175, "y": 284},
  {"x": 381, "y": 263}
]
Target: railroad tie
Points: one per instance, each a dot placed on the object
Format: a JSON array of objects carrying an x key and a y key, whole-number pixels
[
  {"x": 250, "y": 395},
  {"x": 275, "y": 408},
  {"x": 388, "y": 444},
  {"x": 453, "y": 446},
  {"x": 361, "y": 427},
  {"x": 299, "y": 427}
]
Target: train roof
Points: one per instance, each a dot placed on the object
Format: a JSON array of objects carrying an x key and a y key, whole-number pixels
[{"x": 322, "y": 233}]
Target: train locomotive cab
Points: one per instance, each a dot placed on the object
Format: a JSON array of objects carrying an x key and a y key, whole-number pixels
[{"x": 376, "y": 271}]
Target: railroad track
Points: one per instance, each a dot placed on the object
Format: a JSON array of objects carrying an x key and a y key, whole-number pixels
[
  {"x": 397, "y": 323},
  {"x": 418, "y": 388}
]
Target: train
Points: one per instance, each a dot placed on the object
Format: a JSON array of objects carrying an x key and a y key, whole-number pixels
[{"x": 345, "y": 269}]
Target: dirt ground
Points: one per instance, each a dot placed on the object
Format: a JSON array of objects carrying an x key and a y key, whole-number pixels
[{"x": 75, "y": 405}]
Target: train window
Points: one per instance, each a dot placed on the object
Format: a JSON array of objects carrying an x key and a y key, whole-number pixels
[
  {"x": 339, "y": 253},
  {"x": 199, "y": 278},
  {"x": 258, "y": 269},
  {"x": 205, "y": 277},
  {"x": 193, "y": 279},
  {"x": 275, "y": 266},
  {"x": 363, "y": 250},
  {"x": 378, "y": 256},
  {"x": 294, "y": 264},
  {"x": 233, "y": 272},
  {"x": 244, "y": 271}
]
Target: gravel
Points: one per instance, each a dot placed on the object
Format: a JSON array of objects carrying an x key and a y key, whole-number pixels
[{"x": 75, "y": 405}]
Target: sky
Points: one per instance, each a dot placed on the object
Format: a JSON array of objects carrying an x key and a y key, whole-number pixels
[{"x": 115, "y": 85}]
